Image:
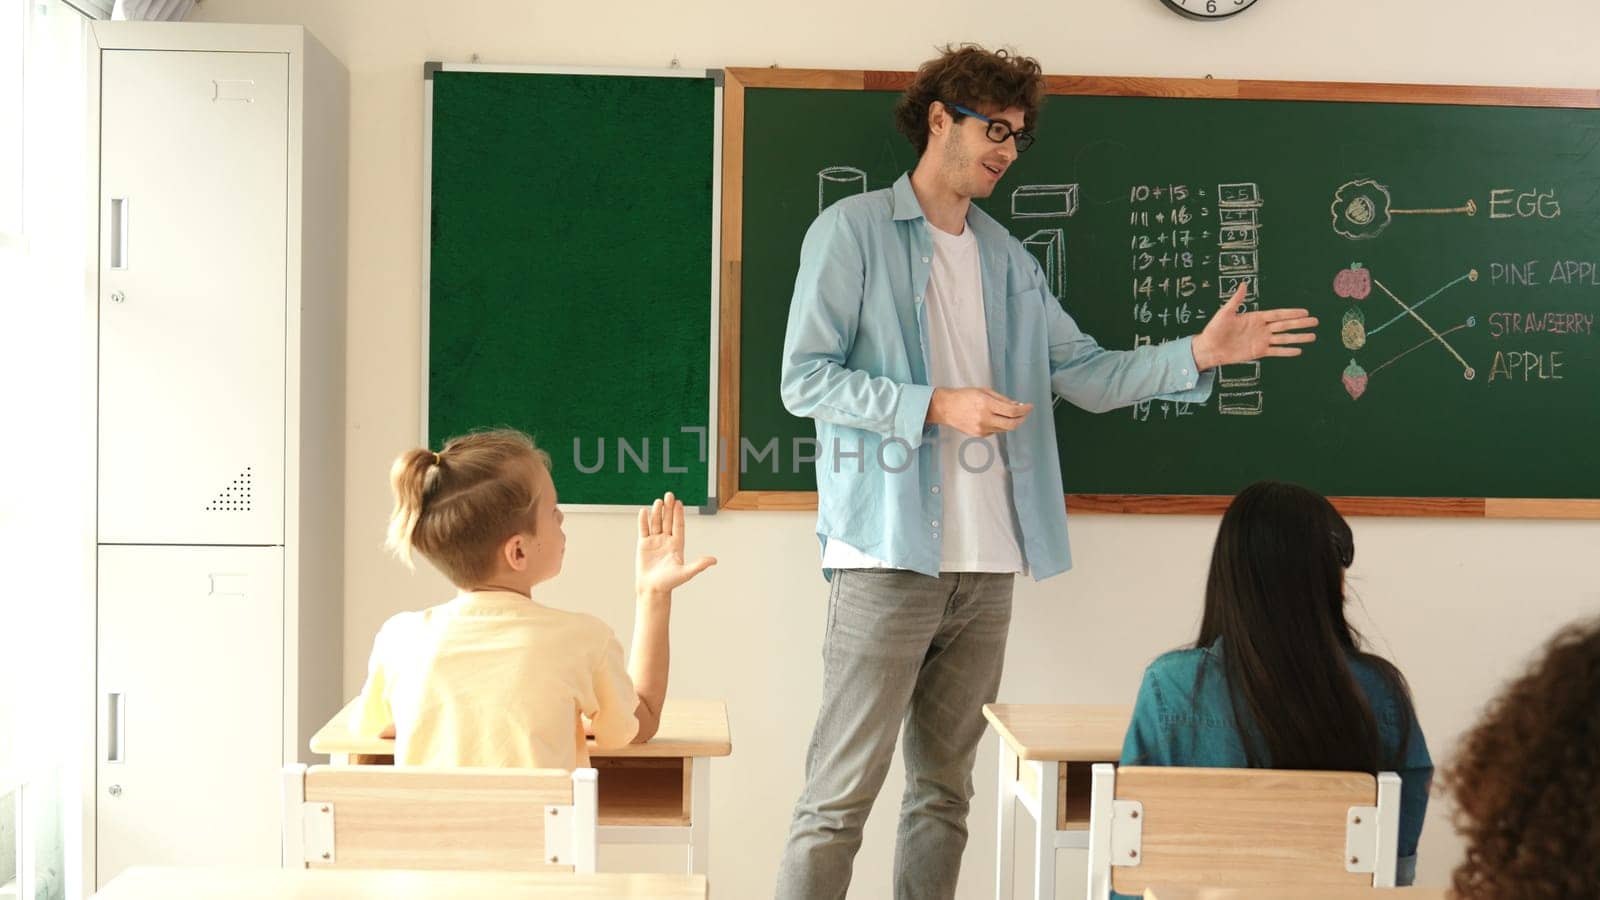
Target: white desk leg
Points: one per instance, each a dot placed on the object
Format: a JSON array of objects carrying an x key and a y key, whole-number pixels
[
  {"x": 1048, "y": 776},
  {"x": 1005, "y": 857},
  {"x": 700, "y": 817}
]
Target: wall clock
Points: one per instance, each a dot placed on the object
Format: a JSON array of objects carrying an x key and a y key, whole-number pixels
[{"x": 1208, "y": 9}]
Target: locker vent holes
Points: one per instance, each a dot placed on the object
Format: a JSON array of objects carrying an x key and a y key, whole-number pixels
[{"x": 236, "y": 497}]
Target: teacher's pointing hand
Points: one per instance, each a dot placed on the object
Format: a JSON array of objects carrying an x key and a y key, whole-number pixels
[{"x": 1234, "y": 337}]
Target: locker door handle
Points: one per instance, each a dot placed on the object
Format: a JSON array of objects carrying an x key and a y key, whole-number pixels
[
  {"x": 116, "y": 731},
  {"x": 225, "y": 584},
  {"x": 119, "y": 232}
]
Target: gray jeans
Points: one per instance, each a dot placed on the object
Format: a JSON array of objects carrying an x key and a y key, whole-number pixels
[{"x": 899, "y": 646}]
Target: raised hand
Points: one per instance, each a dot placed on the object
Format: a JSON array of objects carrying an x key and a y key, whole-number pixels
[
  {"x": 659, "y": 567},
  {"x": 1234, "y": 337}
]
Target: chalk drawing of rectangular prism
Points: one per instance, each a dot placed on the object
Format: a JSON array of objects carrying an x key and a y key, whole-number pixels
[
  {"x": 1044, "y": 201},
  {"x": 1239, "y": 193},
  {"x": 1227, "y": 284},
  {"x": 1049, "y": 247},
  {"x": 1239, "y": 403},
  {"x": 1238, "y": 375},
  {"x": 1238, "y": 215},
  {"x": 1238, "y": 237},
  {"x": 1238, "y": 262}
]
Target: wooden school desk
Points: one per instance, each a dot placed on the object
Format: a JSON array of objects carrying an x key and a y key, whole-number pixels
[
  {"x": 239, "y": 883},
  {"x": 658, "y": 792},
  {"x": 1299, "y": 893},
  {"x": 1045, "y": 755}
]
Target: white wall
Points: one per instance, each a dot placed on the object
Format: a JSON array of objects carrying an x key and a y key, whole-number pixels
[
  {"x": 1458, "y": 605},
  {"x": 46, "y": 524}
]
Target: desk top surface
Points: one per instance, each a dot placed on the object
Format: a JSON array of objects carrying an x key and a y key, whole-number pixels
[
  {"x": 1061, "y": 733},
  {"x": 241, "y": 883},
  {"x": 1301, "y": 892},
  {"x": 689, "y": 728}
]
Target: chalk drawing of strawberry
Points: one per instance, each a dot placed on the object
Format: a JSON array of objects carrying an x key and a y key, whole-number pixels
[{"x": 1355, "y": 380}]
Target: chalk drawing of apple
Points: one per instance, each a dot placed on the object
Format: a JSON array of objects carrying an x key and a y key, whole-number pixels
[{"x": 1354, "y": 283}]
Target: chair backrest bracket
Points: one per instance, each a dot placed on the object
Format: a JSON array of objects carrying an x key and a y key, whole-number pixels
[
  {"x": 1361, "y": 839},
  {"x": 1127, "y": 832},
  {"x": 317, "y": 838},
  {"x": 560, "y": 832}
]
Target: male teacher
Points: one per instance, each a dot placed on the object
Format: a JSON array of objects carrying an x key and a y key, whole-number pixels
[{"x": 924, "y": 342}]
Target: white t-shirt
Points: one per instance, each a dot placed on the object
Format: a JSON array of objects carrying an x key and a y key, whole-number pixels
[{"x": 979, "y": 529}]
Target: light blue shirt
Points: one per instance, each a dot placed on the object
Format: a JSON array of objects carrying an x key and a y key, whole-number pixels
[{"x": 855, "y": 359}]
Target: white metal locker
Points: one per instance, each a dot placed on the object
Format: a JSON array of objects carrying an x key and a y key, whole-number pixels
[
  {"x": 194, "y": 150},
  {"x": 222, "y": 152},
  {"x": 190, "y": 704}
]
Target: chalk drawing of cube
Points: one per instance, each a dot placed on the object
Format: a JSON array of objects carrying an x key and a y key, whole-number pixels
[
  {"x": 1044, "y": 201},
  {"x": 1049, "y": 247}
]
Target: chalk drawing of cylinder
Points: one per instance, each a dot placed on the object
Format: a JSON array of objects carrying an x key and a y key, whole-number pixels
[
  {"x": 838, "y": 182},
  {"x": 1049, "y": 247}
]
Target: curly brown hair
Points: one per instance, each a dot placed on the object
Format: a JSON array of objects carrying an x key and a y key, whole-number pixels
[
  {"x": 972, "y": 77},
  {"x": 1527, "y": 781}
]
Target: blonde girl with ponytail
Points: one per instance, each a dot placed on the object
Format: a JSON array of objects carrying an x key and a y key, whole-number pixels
[{"x": 494, "y": 677}]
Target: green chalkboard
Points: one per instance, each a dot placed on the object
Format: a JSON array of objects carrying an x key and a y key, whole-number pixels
[
  {"x": 1482, "y": 218},
  {"x": 570, "y": 280}
]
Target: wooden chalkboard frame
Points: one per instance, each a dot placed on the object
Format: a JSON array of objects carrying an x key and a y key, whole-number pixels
[{"x": 737, "y": 79}]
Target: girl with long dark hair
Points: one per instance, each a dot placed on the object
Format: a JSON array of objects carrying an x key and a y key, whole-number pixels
[{"x": 1277, "y": 678}]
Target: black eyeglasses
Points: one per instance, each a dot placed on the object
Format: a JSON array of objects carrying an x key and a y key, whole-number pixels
[{"x": 997, "y": 131}]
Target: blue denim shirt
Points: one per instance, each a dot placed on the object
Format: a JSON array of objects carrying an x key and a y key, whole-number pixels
[
  {"x": 855, "y": 359},
  {"x": 1174, "y": 727}
]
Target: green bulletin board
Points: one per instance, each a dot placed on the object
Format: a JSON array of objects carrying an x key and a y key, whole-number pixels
[{"x": 570, "y": 288}]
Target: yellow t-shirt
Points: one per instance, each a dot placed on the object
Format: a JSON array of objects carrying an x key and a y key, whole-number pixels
[{"x": 492, "y": 678}]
